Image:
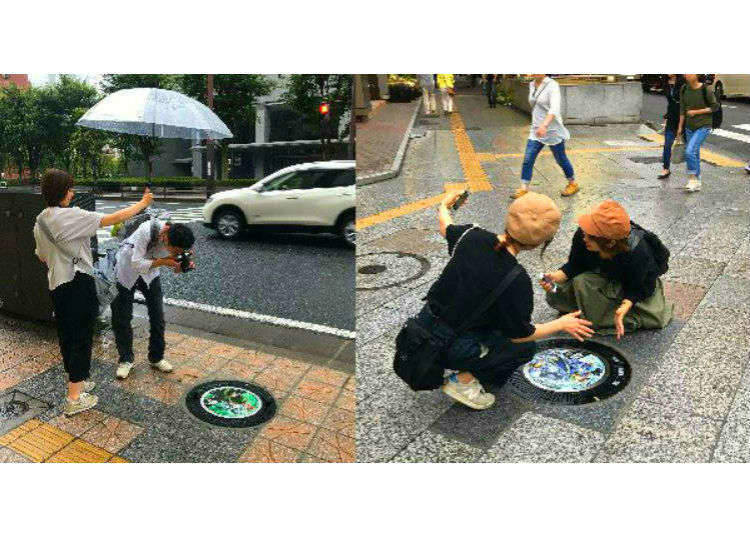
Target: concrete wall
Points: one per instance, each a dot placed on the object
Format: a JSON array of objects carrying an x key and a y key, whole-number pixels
[
  {"x": 164, "y": 163},
  {"x": 588, "y": 104}
]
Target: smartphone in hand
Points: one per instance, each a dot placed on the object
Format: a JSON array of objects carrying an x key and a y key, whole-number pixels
[{"x": 460, "y": 201}]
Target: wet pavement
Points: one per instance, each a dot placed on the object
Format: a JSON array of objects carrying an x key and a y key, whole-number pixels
[
  {"x": 688, "y": 397},
  {"x": 144, "y": 418}
]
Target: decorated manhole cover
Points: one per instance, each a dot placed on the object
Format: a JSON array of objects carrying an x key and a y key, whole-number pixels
[
  {"x": 569, "y": 372},
  {"x": 230, "y": 403},
  {"x": 388, "y": 269}
]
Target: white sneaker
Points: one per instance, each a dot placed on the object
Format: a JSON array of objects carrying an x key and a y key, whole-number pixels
[
  {"x": 85, "y": 401},
  {"x": 747, "y": 167},
  {"x": 88, "y": 386},
  {"x": 693, "y": 186},
  {"x": 163, "y": 365},
  {"x": 470, "y": 394},
  {"x": 123, "y": 369}
]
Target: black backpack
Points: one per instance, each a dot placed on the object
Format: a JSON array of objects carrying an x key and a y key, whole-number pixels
[
  {"x": 716, "y": 117},
  {"x": 658, "y": 249}
]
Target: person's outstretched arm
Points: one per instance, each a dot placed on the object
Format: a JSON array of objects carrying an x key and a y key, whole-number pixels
[{"x": 127, "y": 213}]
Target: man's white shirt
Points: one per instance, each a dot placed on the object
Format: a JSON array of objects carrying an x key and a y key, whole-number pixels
[{"x": 135, "y": 260}]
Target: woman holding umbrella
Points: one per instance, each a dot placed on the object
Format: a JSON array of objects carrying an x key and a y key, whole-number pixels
[{"x": 59, "y": 231}]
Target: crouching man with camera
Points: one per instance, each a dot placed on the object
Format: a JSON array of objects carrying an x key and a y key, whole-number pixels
[{"x": 152, "y": 245}]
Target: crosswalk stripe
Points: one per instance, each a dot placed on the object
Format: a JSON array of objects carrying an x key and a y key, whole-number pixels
[
  {"x": 746, "y": 126},
  {"x": 731, "y": 135}
]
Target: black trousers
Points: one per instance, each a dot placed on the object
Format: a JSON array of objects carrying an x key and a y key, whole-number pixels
[
  {"x": 76, "y": 308},
  {"x": 122, "y": 315}
]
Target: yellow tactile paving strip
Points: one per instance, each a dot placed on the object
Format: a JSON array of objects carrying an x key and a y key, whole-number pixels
[
  {"x": 42, "y": 442},
  {"x": 470, "y": 163},
  {"x": 706, "y": 156},
  {"x": 476, "y": 179}
]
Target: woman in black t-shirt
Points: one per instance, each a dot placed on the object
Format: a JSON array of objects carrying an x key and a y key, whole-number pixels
[
  {"x": 672, "y": 120},
  {"x": 611, "y": 275},
  {"x": 503, "y": 338}
]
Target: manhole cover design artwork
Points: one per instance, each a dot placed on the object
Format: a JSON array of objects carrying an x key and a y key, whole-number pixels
[
  {"x": 388, "y": 269},
  {"x": 230, "y": 403},
  {"x": 569, "y": 372}
]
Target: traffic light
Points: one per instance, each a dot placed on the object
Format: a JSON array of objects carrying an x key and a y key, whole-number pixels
[{"x": 324, "y": 108}]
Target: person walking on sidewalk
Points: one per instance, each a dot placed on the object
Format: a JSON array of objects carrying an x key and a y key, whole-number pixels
[
  {"x": 445, "y": 84},
  {"x": 71, "y": 281},
  {"x": 427, "y": 83},
  {"x": 504, "y": 337},
  {"x": 491, "y": 89},
  {"x": 612, "y": 274},
  {"x": 697, "y": 104},
  {"x": 672, "y": 91},
  {"x": 152, "y": 245},
  {"x": 546, "y": 129}
]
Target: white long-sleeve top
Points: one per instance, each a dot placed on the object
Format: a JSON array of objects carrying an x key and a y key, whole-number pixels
[
  {"x": 135, "y": 259},
  {"x": 545, "y": 100}
]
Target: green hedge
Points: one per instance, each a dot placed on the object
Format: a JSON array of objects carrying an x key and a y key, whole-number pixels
[{"x": 162, "y": 181}]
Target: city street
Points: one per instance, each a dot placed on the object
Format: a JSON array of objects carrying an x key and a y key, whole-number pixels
[
  {"x": 732, "y": 139},
  {"x": 686, "y": 396},
  {"x": 302, "y": 277}
]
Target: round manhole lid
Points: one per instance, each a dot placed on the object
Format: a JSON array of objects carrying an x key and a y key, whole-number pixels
[
  {"x": 388, "y": 269},
  {"x": 230, "y": 403},
  {"x": 569, "y": 372}
]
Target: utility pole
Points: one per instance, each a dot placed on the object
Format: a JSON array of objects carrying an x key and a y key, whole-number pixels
[{"x": 210, "y": 186}]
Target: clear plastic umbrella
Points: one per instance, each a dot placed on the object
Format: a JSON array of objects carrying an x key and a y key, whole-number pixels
[{"x": 159, "y": 113}]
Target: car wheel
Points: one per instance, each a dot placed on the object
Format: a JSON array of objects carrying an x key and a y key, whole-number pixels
[
  {"x": 230, "y": 223},
  {"x": 348, "y": 230}
]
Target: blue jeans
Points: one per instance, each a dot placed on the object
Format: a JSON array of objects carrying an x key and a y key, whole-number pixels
[
  {"x": 533, "y": 148},
  {"x": 503, "y": 358},
  {"x": 695, "y": 139}
]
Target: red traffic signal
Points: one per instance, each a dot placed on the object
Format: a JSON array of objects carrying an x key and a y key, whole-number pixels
[{"x": 324, "y": 108}]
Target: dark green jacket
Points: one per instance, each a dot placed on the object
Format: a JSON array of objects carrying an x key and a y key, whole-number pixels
[{"x": 693, "y": 99}]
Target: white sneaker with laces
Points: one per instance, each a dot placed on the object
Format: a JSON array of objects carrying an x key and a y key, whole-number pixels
[
  {"x": 470, "y": 394},
  {"x": 123, "y": 369},
  {"x": 693, "y": 186},
  {"x": 163, "y": 366},
  {"x": 85, "y": 401}
]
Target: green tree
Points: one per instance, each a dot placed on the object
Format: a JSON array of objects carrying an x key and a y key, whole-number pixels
[
  {"x": 65, "y": 100},
  {"x": 305, "y": 93},
  {"x": 87, "y": 145},
  {"x": 143, "y": 148},
  {"x": 12, "y": 118}
]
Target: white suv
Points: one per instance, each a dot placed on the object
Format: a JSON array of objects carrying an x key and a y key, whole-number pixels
[{"x": 319, "y": 196}]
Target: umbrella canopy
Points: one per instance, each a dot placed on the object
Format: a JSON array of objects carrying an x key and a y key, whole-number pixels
[{"x": 155, "y": 112}]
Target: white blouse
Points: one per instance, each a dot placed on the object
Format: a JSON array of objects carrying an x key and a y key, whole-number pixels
[{"x": 545, "y": 100}]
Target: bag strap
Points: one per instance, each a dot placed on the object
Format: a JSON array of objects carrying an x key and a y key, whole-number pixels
[
  {"x": 491, "y": 298},
  {"x": 48, "y": 234}
]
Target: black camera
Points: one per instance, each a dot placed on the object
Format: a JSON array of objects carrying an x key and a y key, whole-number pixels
[{"x": 185, "y": 258}]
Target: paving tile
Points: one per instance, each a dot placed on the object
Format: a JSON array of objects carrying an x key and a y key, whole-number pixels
[
  {"x": 186, "y": 375},
  {"x": 208, "y": 362},
  {"x": 658, "y": 434},
  {"x": 684, "y": 297},
  {"x": 41, "y": 442},
  {"x": 173, "y": 338},
  {"x": 265, "y": 451},
  {"x": 730, "y": 293},
  {"x": 9, "y": 456},
  {"x": 429, "y": 447},
  {"x": 538, "y": 439},
  {"x": 304, "y": 409},
  {"x": 290, "y": 369},
  {"x": 80, "y": 423},
  {"x": 320, "y": 392},
  {"x": 333, "y": 447},
  {"x": 237, "y": 370},
  {"x": 341, "y": 421},
  {"x": 347, "y": 400},
  {"x": 19, "y": 431},
  {"x": 278, "y": 384},
  {"x": 224, "y": 350},
  {"x": 112, "y": 434},
  {"x": 327, "y": 375},
  {"x": 117, "y": 459},
  {"x": 80, "y": 452},
  {"x": 256, "y": 360},
  {"x": 164, "y": 391},
  {"x": 290, "y": 433},
  {"x": 693, "y": 271}
]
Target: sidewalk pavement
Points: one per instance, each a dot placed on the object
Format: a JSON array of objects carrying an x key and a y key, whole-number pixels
[
  {"x": 688, "y": 399},
  {"x": 143, "y": 418},
  {"x": 382, "y": 140}
]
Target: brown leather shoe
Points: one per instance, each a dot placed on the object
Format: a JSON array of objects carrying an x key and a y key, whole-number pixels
[
  {"x": 518, "y": 193},
  {"x": 570, "y": 189}
]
